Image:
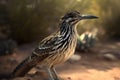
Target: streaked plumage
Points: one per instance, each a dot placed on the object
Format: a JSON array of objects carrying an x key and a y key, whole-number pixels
[{"x": 54, "y": 49}]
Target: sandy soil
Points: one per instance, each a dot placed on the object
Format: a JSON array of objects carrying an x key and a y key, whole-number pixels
[{"x": 91, "y": 66}]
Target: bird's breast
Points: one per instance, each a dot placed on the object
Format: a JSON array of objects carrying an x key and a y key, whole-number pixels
[
  {"x": 64, "y": 54},
  {"x": 71, "y": 49}
]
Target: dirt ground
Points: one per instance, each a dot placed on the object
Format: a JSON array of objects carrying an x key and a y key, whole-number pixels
[{"x": 92, "y": 66}]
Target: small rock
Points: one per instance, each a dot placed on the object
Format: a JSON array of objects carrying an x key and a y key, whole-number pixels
[
  {"x": 109, "y": 56},
  {"x": 75, "y": 57}
]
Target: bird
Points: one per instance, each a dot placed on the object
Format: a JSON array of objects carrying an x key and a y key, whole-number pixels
[{"x": 54, "y": 49}]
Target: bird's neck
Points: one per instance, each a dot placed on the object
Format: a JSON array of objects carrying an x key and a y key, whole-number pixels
[
  {"x": 68, "y": 35},
  {"x": 67, "y": 29}
]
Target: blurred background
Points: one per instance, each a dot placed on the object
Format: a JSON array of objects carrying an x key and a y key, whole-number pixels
[{"x": 29, "y": 21}]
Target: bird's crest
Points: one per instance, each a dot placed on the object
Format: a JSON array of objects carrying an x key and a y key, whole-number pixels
[{"x": 70, "y": 14}]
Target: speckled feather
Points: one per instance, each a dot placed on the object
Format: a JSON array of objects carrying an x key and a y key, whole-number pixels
[{"x": 54, "y": 49}]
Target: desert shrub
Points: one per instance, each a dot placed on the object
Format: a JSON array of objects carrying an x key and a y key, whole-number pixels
[{"x": 31, "y": 20}]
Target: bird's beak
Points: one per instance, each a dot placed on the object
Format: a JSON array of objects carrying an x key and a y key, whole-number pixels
[{"x": 88, "y": 17}]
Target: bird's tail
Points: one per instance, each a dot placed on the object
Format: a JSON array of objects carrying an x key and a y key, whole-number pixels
[{"x": 25, "y": 66}]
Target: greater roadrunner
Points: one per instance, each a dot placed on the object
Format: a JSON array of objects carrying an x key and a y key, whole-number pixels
[{"x": 56, "y": 48}]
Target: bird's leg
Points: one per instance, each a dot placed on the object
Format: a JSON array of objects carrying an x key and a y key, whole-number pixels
[
  {"x": 50, "y": 73},
  {"x": 54, "y": 73}
]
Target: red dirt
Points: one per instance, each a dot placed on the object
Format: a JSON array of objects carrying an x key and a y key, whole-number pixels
[{"x": 91, "y": 66}]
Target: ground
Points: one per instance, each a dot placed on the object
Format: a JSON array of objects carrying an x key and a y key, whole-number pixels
[{"x": 93, "y": 65}]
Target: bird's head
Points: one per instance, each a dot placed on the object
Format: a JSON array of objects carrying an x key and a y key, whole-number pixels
[{"x": 74, "y": 17}]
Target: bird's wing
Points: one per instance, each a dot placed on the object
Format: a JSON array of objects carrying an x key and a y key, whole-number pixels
[{"x": 46, "y": 46}]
